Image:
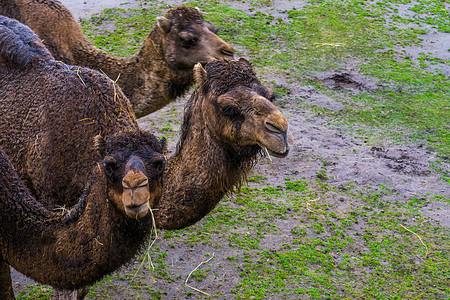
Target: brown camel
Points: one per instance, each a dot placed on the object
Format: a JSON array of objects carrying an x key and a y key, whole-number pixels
[
  {"x": 103, "y": 231},
  {"x": 227, "y": 122},
  {"x": 50, "y": 114},
  {"x": 152, "y": 78}
]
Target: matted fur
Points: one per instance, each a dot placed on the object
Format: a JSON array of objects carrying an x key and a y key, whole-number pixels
[
  {"x": 20, "y": 51},
  {"x": 224, "y": 75},
  {"x": 182, "y": 16}
]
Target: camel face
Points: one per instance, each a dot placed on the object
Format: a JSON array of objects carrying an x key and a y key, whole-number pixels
[
  {"x": 137, "y": 197},
  {"x": 241, "y": 107},
  {"x": 134, "y": 174},
  {"x": 195, "y": 43},
  {"x": 248, "y": 118}
]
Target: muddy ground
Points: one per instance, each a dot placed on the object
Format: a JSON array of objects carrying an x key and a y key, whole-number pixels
[{"x": 403, "y": 168}]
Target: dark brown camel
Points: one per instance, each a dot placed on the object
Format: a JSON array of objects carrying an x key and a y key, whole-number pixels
[
  {"x": 52, "y": 111},
  {"x": 228, "y": 121},
  {"x": 160, "y": 72},
  {"x": 98, "y": 235},
  {"x": 50, "y": 114}
]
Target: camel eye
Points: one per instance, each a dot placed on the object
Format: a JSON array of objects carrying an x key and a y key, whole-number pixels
[
  {"x": 231, "y": 111},
  {"x": 187, "y": 39},
  {"x": 110, "y": 165},
  {"x": 189, "y": 42},
  {"x": 159, "y": 165}
]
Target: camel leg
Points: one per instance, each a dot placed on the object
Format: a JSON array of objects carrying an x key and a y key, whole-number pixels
[
  {"x": 6, "y": 290},
  {"x": 70, "y": 295},
  {"x": 81, "y": 293},
  {"x": 64, "y": 294}
]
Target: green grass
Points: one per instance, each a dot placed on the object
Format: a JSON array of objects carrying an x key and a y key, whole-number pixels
[
  {"x": 35, "y": 293},
  {"x": 324, "y": 259},
  {"x": 365, "y": 252},
  {"x": 372, "y": 247},
  {"x": 131, "y": 27}
]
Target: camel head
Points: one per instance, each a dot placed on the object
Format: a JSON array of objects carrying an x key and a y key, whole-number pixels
[
  {"x": 133, "y": 163},
  {"x": 239, "y": 109},
  {"x": 189, "y": 39}
]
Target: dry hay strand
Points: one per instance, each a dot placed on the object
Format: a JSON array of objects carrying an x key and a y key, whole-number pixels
[
  {"x": 87, "y": 119},
  {"x": 147, "y": 252},
  {"x": 77, "y": 71},
  {"x": 311, "y": 201},
  {"x": 420, "y": 239},
  {"x": 195, "y": 269},
  {"x": 26, "y": 118},
  {"x": 269, "y": 161},
  {"x": 128, "y": 111}
]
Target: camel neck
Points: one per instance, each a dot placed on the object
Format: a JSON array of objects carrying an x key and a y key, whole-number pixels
[
  {"x": 97, "y": 59},
  {"x": 197, "y": 177},
  {"x": 146, "y": 78},
  {"x": 156, "y": 82}
]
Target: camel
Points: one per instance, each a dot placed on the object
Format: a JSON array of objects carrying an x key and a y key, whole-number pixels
[
  {"x": 228, "y": 122},
  {"x": 103, "y": 231},
  {"x": 51, "y": 112},
  {"x": 156, "y": 75}
]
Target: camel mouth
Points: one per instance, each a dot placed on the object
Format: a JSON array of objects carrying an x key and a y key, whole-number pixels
[
  {"x": 277, "y": 154},
  {"x": 137, "y": 212},
  {"x": 278, "y": 148},
  {"x": 280, "y": 144}
]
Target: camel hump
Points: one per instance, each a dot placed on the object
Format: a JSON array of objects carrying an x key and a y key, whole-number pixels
[{"x": 19, "y": 44}]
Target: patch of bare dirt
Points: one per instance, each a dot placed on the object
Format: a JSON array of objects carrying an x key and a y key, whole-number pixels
[{"x": 349, "y": 80}]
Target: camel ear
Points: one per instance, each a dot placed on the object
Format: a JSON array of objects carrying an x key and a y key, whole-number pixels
[
  {"x": 199, "y": 74},
  {"x": 100, "y": 145},
  {"x": 164, "y": 23}
]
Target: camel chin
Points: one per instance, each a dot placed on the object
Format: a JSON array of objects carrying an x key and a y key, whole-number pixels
[
  {"x": 279, "y": 144},
  {"x": 137, "y": 212},
  {"x": 279, "y": 155}
]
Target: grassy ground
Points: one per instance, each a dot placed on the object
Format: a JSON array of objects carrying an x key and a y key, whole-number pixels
[{"x": 310, "y": 238}]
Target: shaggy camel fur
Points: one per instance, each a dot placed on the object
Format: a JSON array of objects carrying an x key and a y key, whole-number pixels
[
  {"x": 78, "y": 247},
  {"x": 155, "y": 76},
  {"x": 51, "y": 112},
  {"x": 228, "y": 121}
]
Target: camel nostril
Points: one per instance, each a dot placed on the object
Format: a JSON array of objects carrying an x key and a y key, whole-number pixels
[
  {"x": 134, "y": 185},
  {"x": 273, "y": 128},
  {"x": 227, "y": 51}
]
